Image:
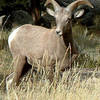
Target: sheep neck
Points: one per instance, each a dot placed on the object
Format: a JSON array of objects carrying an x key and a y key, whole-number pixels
[{"x": 67, "y": 36}]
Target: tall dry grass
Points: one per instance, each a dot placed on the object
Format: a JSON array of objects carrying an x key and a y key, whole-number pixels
[
  {"x": 69, "y": 87},
  {"x": 77, "y": 84},
  {"x": 80, "y": 83}
]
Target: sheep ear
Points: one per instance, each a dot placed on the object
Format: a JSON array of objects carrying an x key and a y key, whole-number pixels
[
  {"x": 79, "y": 13},
  {"x": 50, "y": 12}
]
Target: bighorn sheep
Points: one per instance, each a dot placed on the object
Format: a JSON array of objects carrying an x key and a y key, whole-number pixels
[{"x": 31, "y": 42}]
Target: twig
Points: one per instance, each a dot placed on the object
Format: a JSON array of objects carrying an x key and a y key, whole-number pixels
[{"x": 5, "y": 22}]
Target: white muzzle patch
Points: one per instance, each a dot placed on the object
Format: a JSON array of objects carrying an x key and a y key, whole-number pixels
[{"x": 59, "y": 32}]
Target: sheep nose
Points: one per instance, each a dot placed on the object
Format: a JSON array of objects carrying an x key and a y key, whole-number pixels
[{"x": 58, "y": 32}]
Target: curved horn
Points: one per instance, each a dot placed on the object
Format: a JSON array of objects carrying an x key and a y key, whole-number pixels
[
  {"x": 75, "y": 4},
  {"x": 55, "y": 5},
  {"x": 47, "y": 2}
]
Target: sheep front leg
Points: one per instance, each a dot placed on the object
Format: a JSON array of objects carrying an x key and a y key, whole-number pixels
[{"x": 69, "y": 63}]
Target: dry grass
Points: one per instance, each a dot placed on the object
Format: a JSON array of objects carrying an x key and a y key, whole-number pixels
[
  {"x": 77, "y": 84},
  {"x": 71, "y": 89}
]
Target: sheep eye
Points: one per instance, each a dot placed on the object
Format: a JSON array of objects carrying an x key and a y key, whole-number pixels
[{"x": 68, "y": 20}]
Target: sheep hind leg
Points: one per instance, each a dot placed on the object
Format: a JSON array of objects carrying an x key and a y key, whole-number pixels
[
  {"x": 21, "y": 68},
  {"x": 18, "y": 68},
  {"x": 18, "y": 62},
  {"x": 9, "y": 80}
]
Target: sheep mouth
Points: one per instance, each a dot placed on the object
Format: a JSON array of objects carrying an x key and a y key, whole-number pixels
[{"x": 59, "y": 33}]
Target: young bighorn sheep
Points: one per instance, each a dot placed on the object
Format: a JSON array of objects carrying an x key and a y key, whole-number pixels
[{"x": 31, "y": 42}]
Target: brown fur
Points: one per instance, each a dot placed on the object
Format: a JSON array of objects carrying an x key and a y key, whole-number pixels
[
  {"x": 47, "y": 40},
  {"x": 32, "y": 42}
]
